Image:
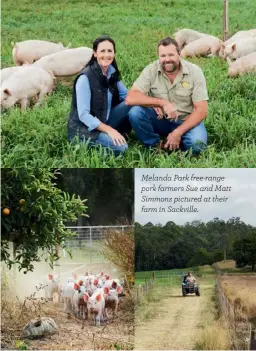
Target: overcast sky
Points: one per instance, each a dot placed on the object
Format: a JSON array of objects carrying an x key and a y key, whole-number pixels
[{"x": 241, "y": 199}]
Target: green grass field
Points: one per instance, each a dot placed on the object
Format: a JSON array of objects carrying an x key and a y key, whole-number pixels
[
  {"x": 39, "y": 137},
  {"x": 173, "y": 277}
]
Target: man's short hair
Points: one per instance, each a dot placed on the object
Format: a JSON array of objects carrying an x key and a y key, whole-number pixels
[{"x": 169, "y": 41}]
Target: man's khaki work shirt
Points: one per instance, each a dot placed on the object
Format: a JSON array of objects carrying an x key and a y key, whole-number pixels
[{"x": 188, "y": 87}]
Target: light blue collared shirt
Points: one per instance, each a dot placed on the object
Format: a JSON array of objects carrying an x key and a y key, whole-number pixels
[{"x": 83, "y": 99}]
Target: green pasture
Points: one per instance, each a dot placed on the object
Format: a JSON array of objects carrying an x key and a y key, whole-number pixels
[
  {"x": 38, "y": 137},
  {"x": 173, "y": 277},
  {"x": 198, "y": 270}
]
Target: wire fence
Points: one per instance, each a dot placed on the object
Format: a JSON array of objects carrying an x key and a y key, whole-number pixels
[
  {"x": 165, "y": 278},
  {"x": 141, "y": 290},
  {"x": 169, "y": 278},
  {"x": 239, "y": 325},
  {"x": 88, "y": 241}
]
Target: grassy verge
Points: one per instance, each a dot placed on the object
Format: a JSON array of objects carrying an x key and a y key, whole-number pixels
[
  {"x": 148, "y": 305},
  {"x": 214, "y": 335}
]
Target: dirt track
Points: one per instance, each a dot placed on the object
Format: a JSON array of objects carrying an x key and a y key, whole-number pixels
[{"x": 177, "y": 323}]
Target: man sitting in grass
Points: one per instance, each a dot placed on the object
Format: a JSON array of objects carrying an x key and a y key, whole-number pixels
[{"x": 169, "y": 99}]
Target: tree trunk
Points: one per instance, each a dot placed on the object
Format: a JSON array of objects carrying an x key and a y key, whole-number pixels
[{"x": 14, "y": 249}]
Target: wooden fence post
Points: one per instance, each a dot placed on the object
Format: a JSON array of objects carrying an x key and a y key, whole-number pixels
[
  {"x": 225, "y": 20},
  {"x": 253, "y": 340}
]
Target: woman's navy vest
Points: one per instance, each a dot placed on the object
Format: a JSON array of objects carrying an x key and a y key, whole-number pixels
[{"x": 99, "y": 85}]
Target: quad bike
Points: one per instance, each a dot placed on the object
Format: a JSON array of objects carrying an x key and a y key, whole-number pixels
[{"x": 190, "y": 288}]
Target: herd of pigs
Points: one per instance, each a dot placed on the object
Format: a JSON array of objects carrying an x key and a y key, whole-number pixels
[
  {"x": 241, "y": 47},
  {"x": 39, "y": 62},
  {"x": 87, "y": 296}
]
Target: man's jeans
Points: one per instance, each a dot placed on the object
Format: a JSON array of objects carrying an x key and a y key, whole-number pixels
[{"x": 149, "y": 129}]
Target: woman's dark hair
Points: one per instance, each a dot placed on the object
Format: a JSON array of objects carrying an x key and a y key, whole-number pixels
[{"x": 95, "y": 47}]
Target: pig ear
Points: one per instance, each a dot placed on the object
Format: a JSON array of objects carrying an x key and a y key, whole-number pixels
[
  {"x": 86, "y": 297},
  {"x": 98, "y": 297},
  {"x": 50, "y": 276},
  {"x": 114, "y": 285},
  {"x": 76, "y": 286},
  {"x": 233, "y": 46},
  {"x": 7, "y": 91},
  {"x": 222, "y": 45},
  {"x": 107, "y": 277},
  {"x": 80, "y": 282},
  {"x": 105, "y": 290},
  {"x": 95, "y": 282},
  {"x": 118, "y": 290}
]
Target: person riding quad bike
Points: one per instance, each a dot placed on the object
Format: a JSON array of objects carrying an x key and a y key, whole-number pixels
[{"x": 190, "y": 285}]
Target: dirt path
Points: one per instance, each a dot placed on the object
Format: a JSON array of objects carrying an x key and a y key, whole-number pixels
[{"x": 177, "y": 323}]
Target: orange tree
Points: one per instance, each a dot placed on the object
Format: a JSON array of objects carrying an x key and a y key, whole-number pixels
[{"x": 34, "y": 212}]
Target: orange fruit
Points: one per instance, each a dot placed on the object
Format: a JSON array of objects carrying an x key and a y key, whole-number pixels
[
  {"x": 6, "y": 211},
  {"x": 22, "y": 201}
]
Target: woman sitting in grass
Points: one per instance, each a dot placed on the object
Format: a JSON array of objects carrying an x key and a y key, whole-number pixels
[{"x": 98, "y": 111}]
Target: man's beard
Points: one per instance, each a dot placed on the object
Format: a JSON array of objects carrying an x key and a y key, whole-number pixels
[{"x": 170, "y": 70}]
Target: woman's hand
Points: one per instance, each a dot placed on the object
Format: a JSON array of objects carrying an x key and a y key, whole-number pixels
[{"x": 116, "y": 137}]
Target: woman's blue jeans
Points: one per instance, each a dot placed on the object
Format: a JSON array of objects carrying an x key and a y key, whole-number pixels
[{"x": 119, "y": 120}]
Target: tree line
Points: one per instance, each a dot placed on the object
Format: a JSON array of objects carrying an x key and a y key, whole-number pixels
[
  {"x": 195, "y": 243},
  {"x": 109, "y": 194}
]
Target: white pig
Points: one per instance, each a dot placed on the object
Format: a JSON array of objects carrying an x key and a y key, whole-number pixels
[
  {"x": 25, "y": 84},
  {"x": 95, "y": 307},
  {"x": 115, "y": 284},
  {"x": 67, "y": 62},
  {"x": 8, "y": 71},
  {"x": 79, "y": 305},
  {"x": 244, "y": 64},
  {"x": 29, "y": 51},
  {"x": 238, "y": 49},
  {"x": 185, "y": 36},
  {"x": 93, "y": 285},
  {"x": 243, "y": 34},
  {"x": 208, "y": 45},
  {"x": 111, "y": 301},
  {"x": 67, "y": 293},
  {"x": 51, "y": 286}
]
